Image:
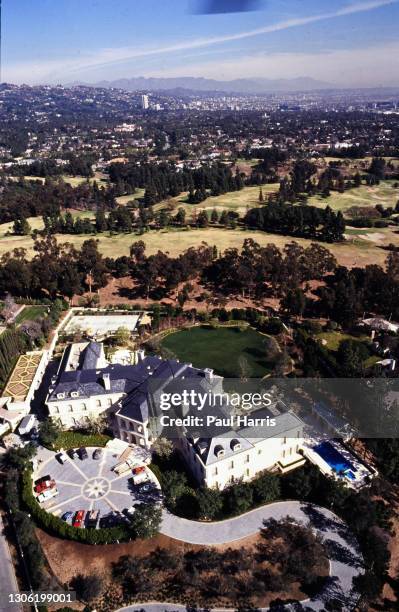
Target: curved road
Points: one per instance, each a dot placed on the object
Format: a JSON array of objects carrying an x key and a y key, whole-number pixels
[{"x": 344, "y": 555}]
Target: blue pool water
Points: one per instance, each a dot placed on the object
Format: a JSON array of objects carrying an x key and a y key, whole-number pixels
[{"x": 334, "y": 459}]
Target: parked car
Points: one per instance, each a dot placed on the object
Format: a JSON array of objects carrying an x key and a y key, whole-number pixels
[
  {"x": 42, "y": 479},
  {"x": 68, "y": 517},
  {"x": 97, "y": 453},
  {"x": 47, "y": 494},
  {"x": 73, "y": 453},
  {"x": 145, "y": 487},
  {"x": 139, "y": 475},
  {"x": 62, "y": 457},
  {"x": 83, "y": 453},
  {"x": 78, "y": 521},
  {"x": 44, "y": 485},
  {"x": 92, "y": 518}
]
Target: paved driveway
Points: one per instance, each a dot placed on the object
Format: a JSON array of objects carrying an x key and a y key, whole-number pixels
[
  {"x": 89, "y": 484},
  {"x": 343, "y": 551}
]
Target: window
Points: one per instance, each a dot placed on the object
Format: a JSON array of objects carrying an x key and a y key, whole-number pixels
[
  {"x": 215, "y": 472},
  {"x": 247, "y": 459},
  {"x": 84, "y": 407},
  {"x": 283, "y": 454},
  {"x": 109, "y": 402},
  {"x": 98, "y": 403},
  {"x": 70, "y": 408},
  {"x": 56, "y": 410},
  {"x": 260, "y": 451},
  {"x": 231, "y": 466},
  {"x": 247, "y": 472}
]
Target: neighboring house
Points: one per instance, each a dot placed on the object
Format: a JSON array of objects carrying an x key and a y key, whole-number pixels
[{"x": 87, "y": 385}]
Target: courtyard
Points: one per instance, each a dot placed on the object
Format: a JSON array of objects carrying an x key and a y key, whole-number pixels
[{"x": 91, "y": 484}]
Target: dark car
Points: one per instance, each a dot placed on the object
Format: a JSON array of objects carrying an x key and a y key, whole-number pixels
[
  {"x": 83, "y": 453},
  {"x": 72, "y": 453},
  {"x": 42, "y": 479},
  {"x": 97, "y": 453},
  {"x": 68, "y": 517}
]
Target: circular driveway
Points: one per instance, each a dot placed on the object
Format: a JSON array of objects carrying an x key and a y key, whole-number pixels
[
  {"x": 90, "y": 484},
  {"x": 345, "y": 558}
]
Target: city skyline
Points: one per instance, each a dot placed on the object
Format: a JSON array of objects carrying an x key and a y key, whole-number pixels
[{"x": 347, "y": 44}]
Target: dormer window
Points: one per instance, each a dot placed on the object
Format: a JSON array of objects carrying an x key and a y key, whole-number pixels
[
  {"x": 74, "y": 394},
  {"x": 235, "y": 445},
  {"x": 60, "y": 395},
  {"x": 219, "y": 451}
]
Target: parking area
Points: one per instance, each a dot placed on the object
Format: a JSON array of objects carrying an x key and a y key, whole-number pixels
[{"x": 92, "y": 484}]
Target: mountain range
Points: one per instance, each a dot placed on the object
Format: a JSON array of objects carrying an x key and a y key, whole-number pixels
[{"x": 244, "y": 86}]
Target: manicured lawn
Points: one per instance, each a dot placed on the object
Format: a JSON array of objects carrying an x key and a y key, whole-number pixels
[
  {"x": 74, "y": 439},
  {"x": 333, "y": 339},
  {"x": 30, "y": 313},
  {"x": 221, "y": 349}
]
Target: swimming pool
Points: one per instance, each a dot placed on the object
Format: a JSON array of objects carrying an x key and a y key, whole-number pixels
[{"x": 335, "y": 460}]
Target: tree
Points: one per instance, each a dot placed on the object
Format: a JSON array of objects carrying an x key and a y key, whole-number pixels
[
  {"x": 294, "y": 302},
  {"x": 48, "y": 432},
  {"x": 214, "y": 216},
  {"x": 9, "y": 308},
  {"x": 173, "y": 485},
  {"x": 266, "y": 487},
  {"x": 87, "y": 587},
  {"x": 210, "y": 503},
  {"x": 21, "y": 227},
  {"x": 163, "y": 447},
  {"x": 122, "y": 336},
  {"x": 146, "y": 520}
]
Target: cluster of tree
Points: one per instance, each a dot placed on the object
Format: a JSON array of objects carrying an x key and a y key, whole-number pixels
[
  {"x": 31, "y": 198},
  {"x": 12, "y": 344},
  {"x": 15, "y": 461},
  {"x": 303, "y": 221},
  {"x": 182, "y": 497},
  {"x": 287, "y": 553},
  {"x": 54, "y": 271},
  {"x": 44, "y": 168},
  {"x": 365, "y": 513},
  {"x": 166, "y": 180},
  {"x": 119, "y": 219}
]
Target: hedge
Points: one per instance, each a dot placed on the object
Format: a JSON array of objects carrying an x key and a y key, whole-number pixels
[{"x": 58, "y": 527}]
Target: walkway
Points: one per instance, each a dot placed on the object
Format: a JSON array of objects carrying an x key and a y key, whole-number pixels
[{"x": 345, "y": 558}]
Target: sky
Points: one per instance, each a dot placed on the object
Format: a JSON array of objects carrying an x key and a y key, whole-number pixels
[{"x": 347, "y": 43}]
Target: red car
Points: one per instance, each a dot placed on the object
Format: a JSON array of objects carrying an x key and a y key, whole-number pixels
[
  {"x": 78, "y": 521},
  {"x": 44, "y": 485}
]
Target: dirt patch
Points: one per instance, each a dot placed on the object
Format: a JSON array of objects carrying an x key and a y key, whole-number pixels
[
  {"x": 123, "y": 291},
  {"x": 67, "y": 558}
]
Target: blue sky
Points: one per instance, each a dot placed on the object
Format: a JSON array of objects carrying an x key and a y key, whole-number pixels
[{"x": 344, "y": 42}]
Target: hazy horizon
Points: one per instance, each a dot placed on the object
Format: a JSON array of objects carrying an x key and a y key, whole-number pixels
[{"x": 348, "y": 44}]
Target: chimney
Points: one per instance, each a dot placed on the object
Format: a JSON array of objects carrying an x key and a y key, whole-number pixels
[
  {"x": 107, "y": 382},
  {"x": 208, "y": 374}
]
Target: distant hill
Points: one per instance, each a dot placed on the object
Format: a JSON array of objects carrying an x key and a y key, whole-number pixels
[{"x": 245, "y": 86}]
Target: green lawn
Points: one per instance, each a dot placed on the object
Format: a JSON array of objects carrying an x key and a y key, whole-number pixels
[
  {"x": 76, "y": 439},
  {"x": 221, "y": 348},
  {"x": 30, "y": 313},
  {"x": 385, "y": 193},
  {"x": 334, "y": 338}
]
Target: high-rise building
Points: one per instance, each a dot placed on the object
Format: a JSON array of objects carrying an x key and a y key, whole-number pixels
[{"x": 145, "y": 102}]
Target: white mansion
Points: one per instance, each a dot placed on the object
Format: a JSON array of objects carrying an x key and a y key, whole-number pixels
[{"x": 86, "y": 386}]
